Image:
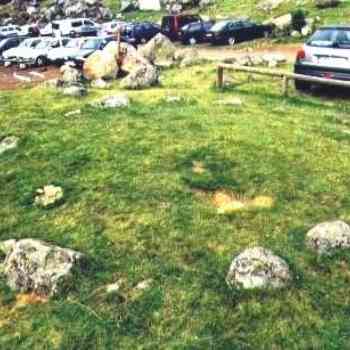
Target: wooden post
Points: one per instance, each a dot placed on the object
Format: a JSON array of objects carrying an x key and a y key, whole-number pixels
[
  {"x": 285, "y": 86},
  {"x": 220, "y": 78}
]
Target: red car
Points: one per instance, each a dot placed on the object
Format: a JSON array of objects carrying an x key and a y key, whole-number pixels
[{"x": 172, "y": 25}]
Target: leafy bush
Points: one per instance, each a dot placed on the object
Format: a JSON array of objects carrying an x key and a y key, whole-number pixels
[{"x": 298, "y": 19}]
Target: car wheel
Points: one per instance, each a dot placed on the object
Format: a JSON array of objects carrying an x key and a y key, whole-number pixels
[
  {"x": 192, "y": 41},
  {"x": 302, "y": 85},
  {"x": 231, "y": 41},
  {"x": 40, "y": 61}
]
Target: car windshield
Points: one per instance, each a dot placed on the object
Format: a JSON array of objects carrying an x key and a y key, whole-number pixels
[
  {"x": 219, "y": 26},
  {"x": 92, "y": 44},
  {"x": 73, "y": 44},
  {"x": 43, "y": 44},
  {"x": 323, "y": 38},
  {"x": 29, "y": 43}
]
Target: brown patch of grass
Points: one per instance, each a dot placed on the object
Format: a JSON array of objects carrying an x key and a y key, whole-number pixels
[
  {"x": 228, "y": 202},
  {"x": 24, "y": 299}
]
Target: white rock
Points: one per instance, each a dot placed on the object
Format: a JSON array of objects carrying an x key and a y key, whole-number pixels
[
  {"x": 115, "y": 101},
  {"x": 258, "y": 268},
  {"x": 327, "y": 237},
  {"x": 35, "y": 266},
  {"x": 48, "y": 195},
  {"x": 8, "y": 143}
]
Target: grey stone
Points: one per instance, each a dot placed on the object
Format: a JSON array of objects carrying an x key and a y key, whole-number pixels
[
  {"x": 48, "y": 196},
  {"x": 327, "y": 237},
  {"x": 141, "y": 77},
  {"x": 36, "y": 266},
  {"x": 258, "y": 268},
  {"x": 8, "y": 143}
]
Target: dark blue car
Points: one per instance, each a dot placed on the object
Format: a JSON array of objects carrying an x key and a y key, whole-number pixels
[{"x": 139, "y": 33}]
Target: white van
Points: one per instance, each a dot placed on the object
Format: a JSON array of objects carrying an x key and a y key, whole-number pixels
[{"x": 72, "y": 27}]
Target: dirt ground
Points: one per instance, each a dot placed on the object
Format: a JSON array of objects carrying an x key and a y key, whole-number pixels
[
  {"x": 12, "y": 77},
  {"x": 225, "y": 52}
]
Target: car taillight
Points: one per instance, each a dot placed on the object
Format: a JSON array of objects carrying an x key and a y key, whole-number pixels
[{"x": 301, "y": 55}]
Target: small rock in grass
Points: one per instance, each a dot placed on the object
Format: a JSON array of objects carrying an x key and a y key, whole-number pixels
[
  {"x": 116, "y": 101},
  {"x": 113, "y": 287},
  {"x": 258, "y": 268},
  {"x": 34, "y": 266},
  {"x": 49, "y": 195},
  {"x": 173, "y": 99},
  {"x": 9, "y": 142},
  {"x": 144, "y": 285},
  {"x": 235, "y": 102},
  {"x": 74, "y": 91},
  {"x": 73, "y": 113},
  {"x": 100, "y": 84},
  {"x": 327, "y": 237}
]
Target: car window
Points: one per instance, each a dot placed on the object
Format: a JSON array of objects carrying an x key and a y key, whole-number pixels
[
  {"x": 55, "y": 26},
  {"x": 88, "y": 23},
  {"x": 323, "y": 38},
  {"x": 219, "y": 26},
  {"x": 77, "y": 24},
  {"x": 343, "y": 38},
  {"x": 92, "y": 44},
  {"x": 43, "y": 44}
]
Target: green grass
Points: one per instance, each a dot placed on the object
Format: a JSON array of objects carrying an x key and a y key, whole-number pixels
[{"x": 129, "y": 206}]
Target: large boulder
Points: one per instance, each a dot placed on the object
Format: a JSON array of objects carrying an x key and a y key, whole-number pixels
[
  {"x": 131, "y": 58},
  {"x": 70, "y": 75},
  {"x": 143, "y": 76},
  {"x": 327, "y": 237},
  {"x": 283, "y": 23},
  {"x": 35, "y": 266},
  {"x": 158, "y": 50},
  {"x": 258, "y": 268},
  {"x": 100, "y": 65}
]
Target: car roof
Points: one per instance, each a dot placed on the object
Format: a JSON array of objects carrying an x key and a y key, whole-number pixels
[{"x": 67, "y": 20}]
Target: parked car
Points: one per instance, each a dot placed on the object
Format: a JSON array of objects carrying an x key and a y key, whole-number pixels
[
  {"x": 172, "y": 25},
  {"x": 60, "y": 55},
  {"x": 326, "y": 54},
  {"x": 12, "y": 55},
  {"x": 9, "y": 31},
  {"x": 29, "y": 30},
  {"x": 113, "y": 27},
  {"x": 9, "y": 43},
  {"x": 139, "y": 33},
  {"x": 89, "y": 46},
  {"x": 195, "y": 32},
  {"x": 234, "y": 31},
  {"x": 38, "y": 55},
  {"x": 71, "y": 27}
]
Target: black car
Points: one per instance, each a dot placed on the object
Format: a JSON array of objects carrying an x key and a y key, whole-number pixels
[
  {"x": 139, "y": 33},
  {"x": 234, "y": 31},
  {"x": 195, "y": 32}
]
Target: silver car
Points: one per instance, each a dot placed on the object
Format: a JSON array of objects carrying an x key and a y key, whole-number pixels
[{"x": 326, "y": 54}]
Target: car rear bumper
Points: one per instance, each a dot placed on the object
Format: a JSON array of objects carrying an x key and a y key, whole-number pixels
[{"x": 322, "y": 72}]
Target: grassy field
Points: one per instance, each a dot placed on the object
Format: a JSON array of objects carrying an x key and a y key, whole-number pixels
[{"x": 136, "y": 207}]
